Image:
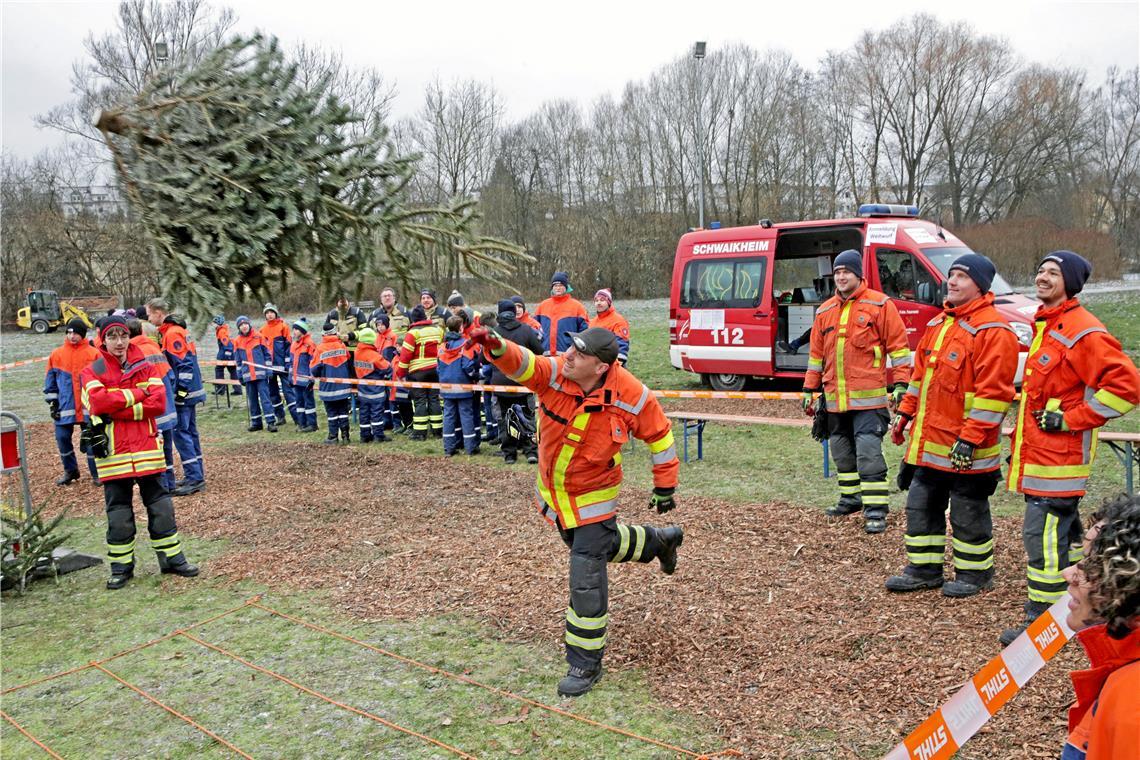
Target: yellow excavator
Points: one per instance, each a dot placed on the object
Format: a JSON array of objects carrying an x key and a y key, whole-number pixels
[{"x": 45, "y": 312}]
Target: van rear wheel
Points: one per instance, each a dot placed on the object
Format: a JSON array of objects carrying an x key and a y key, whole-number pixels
[{"x": 723, "y": 382}]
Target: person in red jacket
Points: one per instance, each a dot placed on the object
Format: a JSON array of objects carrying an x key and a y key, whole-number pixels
[
  {"x": 123, "y": 394},
  {"x": 560, "y": 315},
  {"x": 590, "y": 407},
  {"x": 1076, "y": 379},
  {"x": 62, "y": 394},
  {"x": 1104, "y": 609},
  {"x": 960, "y": 390},
  {"x": 609, "y": 318}
]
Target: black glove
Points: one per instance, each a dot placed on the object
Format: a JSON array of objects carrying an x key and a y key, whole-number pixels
[
  {"x": 962, "y": 455},
  {"x": 1050, "y": 422},
  {"x": 662, "y": 500},
  {"x": 906, "y": 475},
  {"x": 53, "y": 409},
  {"x": 98, "y": 445},
  {"x": 180, "y": 395},
  {"x": 820, "y": 428}
]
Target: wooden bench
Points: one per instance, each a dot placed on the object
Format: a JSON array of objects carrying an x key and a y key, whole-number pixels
[{"x": 1126, "y": 446}]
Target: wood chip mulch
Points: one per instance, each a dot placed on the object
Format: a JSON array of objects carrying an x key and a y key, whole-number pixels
[{"x": 776, "y": 624}]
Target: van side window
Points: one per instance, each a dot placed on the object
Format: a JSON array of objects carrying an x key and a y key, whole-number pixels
[
  {"x": 902, "y": 277},
  {"x": 723, "y": 283}
]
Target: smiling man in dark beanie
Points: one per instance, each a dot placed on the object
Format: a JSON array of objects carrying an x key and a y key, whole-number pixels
[
  {"x": 1076, "y": 379},
  {"x": 958, "y": 395}
]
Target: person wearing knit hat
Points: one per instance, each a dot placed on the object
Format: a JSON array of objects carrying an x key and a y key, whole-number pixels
[
  {"x": 853, "y": 333},
  {"x": 253, "y": 357},
  {"x": 372, "y": 400},
  {"x": 302, "y": 349},
  {"x": 510, "y": 327},
  {"x": 417, "y": 362},
  {"x": 128, "y": 452},
  {"x": 436, "y": 313},
  {"x": 523, "y": 316},
  {"x": 1077, "y": 377},
  {"x": 331, "y": 367},
  {"x": 276, "y": 331},
  {"x": 609, "y": 318},
  {"x": 63, "y": 395},
  {"x": 225, "y": 354},
  {"x": 560, "y": 314},
  {"x": 454, "y": 300},
  {"x": 959, "y": 393}
]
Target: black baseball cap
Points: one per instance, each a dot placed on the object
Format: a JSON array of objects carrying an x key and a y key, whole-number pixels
[{"x": 597, "y": 342}]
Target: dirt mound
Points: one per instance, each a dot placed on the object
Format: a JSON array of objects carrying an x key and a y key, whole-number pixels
[{"x": 776, "y": 623}]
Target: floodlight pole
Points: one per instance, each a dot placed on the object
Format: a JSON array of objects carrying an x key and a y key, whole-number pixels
[{"x": 699, "y": 54}]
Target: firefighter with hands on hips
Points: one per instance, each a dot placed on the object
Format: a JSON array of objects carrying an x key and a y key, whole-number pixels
[
  {"x": 417, "y": 363},
  {"x": 369, "y": 364},
  {"x": 1076, "y": 379},
  {"x": 277, "y": 334},
  {"x": 188, "y": 393},
  {"x": 123, "y": 394},
  {"x": 166, "y": 422},
  {"x": 608, "y": 317},
  {"x": 960, "y": 391},
  {"x": 225, "y": 354},
  {"x": 254, "y": 357},
  {"x": 854, "y": 334},
  {"x": 590, "y": 406},
  {"x": 62, "y": 394},
  {"x": 560, "y": 315},
  {"x": 301, "y": 353}
]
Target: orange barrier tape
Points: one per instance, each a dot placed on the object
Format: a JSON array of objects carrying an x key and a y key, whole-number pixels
[
  {"x": 330, "y": 700},
  {"x": 492, "y": 689},
  {"x": 125, "y": 652},
  {"x": 171, "y": 710},
  {"x": 944, "y": 732},
  {"x": 22, "y": 362},
  {"x": 31, "y": 738}
]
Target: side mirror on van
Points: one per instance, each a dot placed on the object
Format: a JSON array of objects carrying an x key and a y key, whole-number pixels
[{"x": 942, "y": 292}]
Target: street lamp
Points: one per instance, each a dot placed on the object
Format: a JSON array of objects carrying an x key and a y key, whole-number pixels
[{"x": 699, "y": 54}]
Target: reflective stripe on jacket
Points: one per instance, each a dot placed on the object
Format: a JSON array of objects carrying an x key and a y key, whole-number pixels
[
  {"x": 183, "y": 359},
  {"x": 370, "y": 364},
  {"x": 851, "y": 341},
  {"x": 580, "y": 436},
  {"x": 1076, "y": 367},
  {"x": 168, "y": 420},
  {"x": 330, "y": 364},
  {"x": 457, "y": 366},
  {"x": 276, "y": 332},
  {"x": 558, "y": 315},
  {"x": 617, "y": 324},
  {"x": 962, "y": 385},
  {"x": 61, "y": 382},
  {"x": 252, "y": 355},
  {"x": 127, "y": 399},
  {"x": 419, "y": 349},
  {"x": 301, "y": 354}
]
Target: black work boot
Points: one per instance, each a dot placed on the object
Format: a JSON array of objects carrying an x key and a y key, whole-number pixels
[
  {"x": 670, "y": 538},
  {"x": 178, "y": 565},
  {"x": 842, "y": 510},
  {"x": 875, "y": 525},
  {"x": 578, "y": 681},
  {"x": 271, "y": 427},
  {"x": 912, "y": 580},
  {"x": 120, "y": 575},
  {"x": 188, "y": 487},
  {"x": 968, "y": 583},
  {"x": 1033, "y": 610},
  {"x": 68, "y": 478}
]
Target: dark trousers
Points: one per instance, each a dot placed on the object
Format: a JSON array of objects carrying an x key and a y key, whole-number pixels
[
  {"x": 973, "y": 528},
  {"x": 63, "y": 442},
  {"x": 188, "y": 445},
  {"x": 338, "y": 410},
  {"x": 856, "y": 443},
  {"x": 1052, "y": 536},
  {"x": 160, "y": 521},
  {"x": 511, "y": 445},
  {"x": 281, "y": 394},
  {"x": 427, "y": 412},
  {"x": 459, "y": 420},
  {"x": 591, "y": 547},
  {"x": 168, "y": 481},
  {"x": 371, "y": 413},
  {"x": 306, "y": 401},
  {"x": 257, "y": 396}
]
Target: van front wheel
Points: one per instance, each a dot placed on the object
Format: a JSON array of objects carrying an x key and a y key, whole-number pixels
[{"x": 721, "y": 382}]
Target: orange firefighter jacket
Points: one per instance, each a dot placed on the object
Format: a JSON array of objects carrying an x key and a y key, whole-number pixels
[
  {"x": 128, "y": 399},
  {"x": 581, "y": 435},
  {"x": 851, "y": 340},
  {"x": 962, "y": 385},
  {"x": 1077, "y": 368}
]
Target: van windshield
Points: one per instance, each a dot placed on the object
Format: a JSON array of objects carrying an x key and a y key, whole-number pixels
[{"x": 944, "y": 257}]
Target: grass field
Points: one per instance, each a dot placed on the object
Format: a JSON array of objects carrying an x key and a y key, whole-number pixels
[{"x": 73, "y": 621}]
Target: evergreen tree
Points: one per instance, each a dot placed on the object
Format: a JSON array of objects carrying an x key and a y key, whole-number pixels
[{"x": 244, "y": 178}]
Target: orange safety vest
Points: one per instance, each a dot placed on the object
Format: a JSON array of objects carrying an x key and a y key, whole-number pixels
[
  {"x": 1075, "y": 367},
  {"x": 856, "y": 335},
  {"x": 962, "y": 385},
  {"x": 581, "y": 436}
]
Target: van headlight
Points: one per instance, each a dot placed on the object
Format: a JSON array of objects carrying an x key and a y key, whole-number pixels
[{"x": 1024, "y": 332}]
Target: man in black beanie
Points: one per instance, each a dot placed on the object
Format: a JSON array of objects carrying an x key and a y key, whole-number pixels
[
  {"x": 62, "y": 394},
  {"x": 1076, "y": 379}
]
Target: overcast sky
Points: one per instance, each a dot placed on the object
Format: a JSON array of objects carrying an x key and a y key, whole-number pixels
[{"x": 533, "y": 51}]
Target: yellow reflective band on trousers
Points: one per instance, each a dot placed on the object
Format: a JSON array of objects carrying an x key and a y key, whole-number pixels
[
  {"x": 920, "y": 420},
  {"x": 586, "y": 624},
  {"x": 977, "y": 556},
  {"x": 577, "y": 641},
  {"x": 171, "y": 546},
  {"x": 631, "y": 542},
  {"x": 849, "y": 483},
  {"x": 1019, "y": 438},
  {"x": 925, "y": 550},
  {"x": 875, "y": 493},
  {"x": 1050, "y": 574},
  {"x": 840, "y": 345},
  {"x": 121, "y": 553}
]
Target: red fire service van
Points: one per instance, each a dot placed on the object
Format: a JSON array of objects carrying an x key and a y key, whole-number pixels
[{"x": 738, "y": 292}]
